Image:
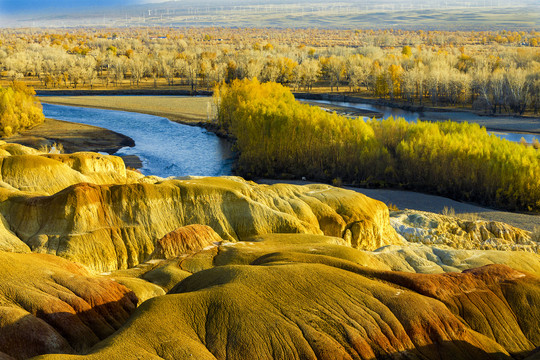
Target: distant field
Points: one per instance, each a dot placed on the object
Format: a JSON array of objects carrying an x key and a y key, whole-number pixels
[
  {"x": 180, "y": 109},
  {"x": 291, "y": 16},
  {"x": 452, "y": 19}
]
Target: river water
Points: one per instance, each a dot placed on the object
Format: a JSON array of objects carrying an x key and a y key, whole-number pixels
[{"x": 165, "y": 148}]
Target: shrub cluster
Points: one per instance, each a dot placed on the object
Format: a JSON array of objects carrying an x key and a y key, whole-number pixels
[
  {"x": 277, "y": 136},
  {"x": 19, "y": 109}
]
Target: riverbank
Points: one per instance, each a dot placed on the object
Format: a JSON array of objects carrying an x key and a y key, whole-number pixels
[
  {"x": 166, "y": 148},
  {"x": 346, "y": 110},
  {"x": 185, "y": 110},
  {"x": 76, "y": 137}
]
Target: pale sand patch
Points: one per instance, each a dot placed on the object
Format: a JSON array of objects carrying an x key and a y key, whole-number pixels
[{"x": 184, "y": 109}]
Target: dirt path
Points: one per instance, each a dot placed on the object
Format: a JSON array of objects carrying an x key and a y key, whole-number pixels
[{"x": 424, "y": 202}]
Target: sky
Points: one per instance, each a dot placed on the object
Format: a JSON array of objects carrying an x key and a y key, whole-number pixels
[{"x": 35, "y": 6}]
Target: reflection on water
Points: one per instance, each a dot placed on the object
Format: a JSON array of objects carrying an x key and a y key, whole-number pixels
[
  {"x": 166, "y": 148},
  {"x": 413, "y": 116}
]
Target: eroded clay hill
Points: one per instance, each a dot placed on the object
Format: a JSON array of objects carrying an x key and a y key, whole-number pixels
[
  {"x": 345, "y": 301},
  {"x": 320, "y": 308},
  {"x": 28, "y": 170},
  {"x": 115, "y": 221},
  {"x": 223, "y": 268},
  {"x": 158, "y": 276},
  {"x": 51, "y": 305}
]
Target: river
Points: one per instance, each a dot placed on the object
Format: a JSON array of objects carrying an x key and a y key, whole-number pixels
[{"x": 165, "y": 148}]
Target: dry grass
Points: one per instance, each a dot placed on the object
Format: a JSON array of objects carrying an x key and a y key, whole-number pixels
[
  {"x": 392, "y": 207},
  {"x": 450, "y": 211},
  {"x": 180, "y": 109},
  {"x": 52, "y": 149},
  {"x": 469, "y": 216},
  {"x": 535, "y": 235}
]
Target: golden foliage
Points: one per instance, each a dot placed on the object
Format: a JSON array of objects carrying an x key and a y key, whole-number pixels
[
  {"x": 278, "y": 136},
  {"x": 19, "y": 109}
]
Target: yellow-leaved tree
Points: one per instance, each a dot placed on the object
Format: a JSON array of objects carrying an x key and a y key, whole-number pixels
[{"x": 19, "y": 109}]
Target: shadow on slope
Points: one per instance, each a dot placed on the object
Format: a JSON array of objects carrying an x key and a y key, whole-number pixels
[{"x": 337, "y": 310}]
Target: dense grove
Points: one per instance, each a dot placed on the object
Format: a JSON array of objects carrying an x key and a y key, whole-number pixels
[
  {"x": 277, "y": 136},
  {"x": 496, "y": 71},
  {"x": 19, "y": 109}
]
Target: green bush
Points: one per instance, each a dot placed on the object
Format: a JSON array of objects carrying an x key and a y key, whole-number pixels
[{"x": 275, "y": 134}]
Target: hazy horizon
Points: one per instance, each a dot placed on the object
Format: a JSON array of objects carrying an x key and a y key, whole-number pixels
[
  {"x": 32, "y": 6},
  {"x": 271, "y": 13}
]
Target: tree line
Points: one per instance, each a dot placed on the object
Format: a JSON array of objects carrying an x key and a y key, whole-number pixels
[
  {"x": 490, "y": 71},
  {"x": 278, "y": 137}
]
